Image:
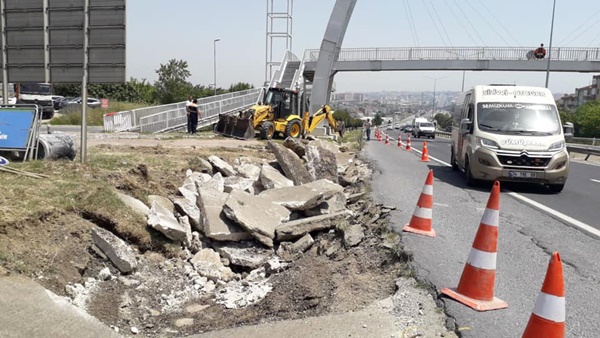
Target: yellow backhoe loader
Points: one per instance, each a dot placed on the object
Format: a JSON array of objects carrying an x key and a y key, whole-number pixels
[{"x": 277, "y": 114}]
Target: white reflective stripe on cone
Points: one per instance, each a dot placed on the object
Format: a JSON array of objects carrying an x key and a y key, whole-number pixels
[
  {"x": 423, "y": 212},
  {"x": 428, "y": 189},
  {"x": 482, "y": 259},
  {"x": 550, "y": 307},
  {"x": 491, "y": 217}
]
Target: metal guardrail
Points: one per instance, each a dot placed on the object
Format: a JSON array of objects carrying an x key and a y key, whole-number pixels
[
  {"x": 585, "y": 140},
  {"x": 177, "y": 118},
  {"x": 456, "y": 53},
  {"x": 131, "y": 119}
]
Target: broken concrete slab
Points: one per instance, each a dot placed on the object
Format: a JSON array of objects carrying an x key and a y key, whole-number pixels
[
  {"x": 221, "y": 166},
  {"x": 115, "y": 249},
  {"x": 250, "y": 171},
  {"x": 301, "y": 227},
  {"x": 216, "y": 182},
  {"x": 353, "y": 235},
  {"x": 244, "y": 254},
  {"x": 204, "y": 166},
  {"x": 135, "y": 204},
  {"x": 300, "y": 197},
  {"x": 271, "y": 178},
  {"x": 213, "y": 222},
  {"x": 327, "y": 187},
  {"x": 165, "y": 202},
  {"x": 292, "y": 165},
  {"x": 257, "y": 215},
  {"x": 353, "y": 198},
  {"x": 239, "y": 183},
  {"x": 163, "y": 220},
  {"x": 184, "y": 222},
  {"x": 189, "y": 191},
  {"x": 296, "y": 146},
  {"x": 187, "y": 208},
  {"x": 207, "y": 263},
  {"x": 321, "y": 163},
  {"x": 287, "y": 250},
  {"x": 334, "y": 204}
]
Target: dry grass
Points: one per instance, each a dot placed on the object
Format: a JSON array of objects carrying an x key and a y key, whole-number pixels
[{"x": 71, "y": 115}]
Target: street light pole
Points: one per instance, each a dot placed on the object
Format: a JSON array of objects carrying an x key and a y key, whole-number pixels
[
  {"x": 463, "y": 82},
  {"x": 434, "y": 85},
  {"x": 215, "y": 63},
  {"x": 550, "y": 46}
]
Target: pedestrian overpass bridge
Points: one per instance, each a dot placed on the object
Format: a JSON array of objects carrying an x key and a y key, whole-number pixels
[{"x": 300, "y": 73}]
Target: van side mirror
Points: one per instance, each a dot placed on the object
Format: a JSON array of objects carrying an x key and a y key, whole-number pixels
[
  {"x": 465, "y": 126},
  {"x": 568, "y": 130}
]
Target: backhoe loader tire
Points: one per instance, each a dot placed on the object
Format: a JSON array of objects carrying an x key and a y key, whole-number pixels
[
  {"x": 293, "y": 129},
  {"x": 267, "y": 129}
]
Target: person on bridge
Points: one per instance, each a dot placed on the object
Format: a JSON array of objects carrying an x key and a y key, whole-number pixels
[
  {"x": 187, "y": 112},
  {"x": 367, "y": 127},
  {"x": 540, "y": 52},
  {"x": 193, "y": 116}
]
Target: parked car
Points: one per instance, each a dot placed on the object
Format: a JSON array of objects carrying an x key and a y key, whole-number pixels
[{"x": 91, "y": 102}]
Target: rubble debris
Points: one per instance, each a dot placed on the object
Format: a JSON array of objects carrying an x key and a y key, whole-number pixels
[
  {"x": 242, "y": 293},
  {"x": 250, "y": 171},
  {"x": 221, "y": 166},
  {"x": 164, "y": 221},
  {"x": 353, "y": 198},
  {"x": 104, "y": 274},
  {"x": 296, "y": 146},
  {"x": 216, "y": 182},
  {"x": 207, "y": 263},
  {"x": 334, "y": 204},
  {"x": 321, "y": 163},
  {"x": 274, "y": 265},
  {"x": 259, "y": 216},
  {"x": 189, "y": 209},
  {"x": 325, "y": 186},
  {"x": 189, "y": 191},
  {"x": 244, "y": 254},
  {"x": 299, "y": 197},
  {"x": 204, "y": 166},
  {"x": 119, "y": 253},
  {"x": 182, "y": 322},
  {"x": 165, "y": 202},
  {"x": 353, "y": 235},
  {"x": 287, "y": 250},
  {"x": 213, "y": 221},
  {"x": 195, "y": 308},
  {"x": 271, "y": 178},
  {"x": 239, "y": 183},
  {"x": 135, "y": 204},
  {"x": 292, "y": 165},
  {"x": 301, "y": 227}
]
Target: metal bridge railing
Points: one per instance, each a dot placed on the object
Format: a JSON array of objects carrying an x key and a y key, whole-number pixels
[
  {"x": 177, "y": 118},
  {"x": 131, "y": 119},
  {"x": 457, "y": 53}
]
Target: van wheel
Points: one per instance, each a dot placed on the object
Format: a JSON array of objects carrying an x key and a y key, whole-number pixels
[
  {"x": 556, "y": 188},
  {"x": 453, "y": 159},
  {"x": 471, "y": 182}
]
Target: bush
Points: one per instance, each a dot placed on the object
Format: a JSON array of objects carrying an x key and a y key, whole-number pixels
[{"x": 71, "y": 114}]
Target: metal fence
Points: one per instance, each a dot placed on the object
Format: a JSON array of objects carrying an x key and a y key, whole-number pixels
[
  {"x": 584, "y": 140},
  {"x": 457, "y": 53},
  {"x": 131, "y": 119},
  {"x": 177, "y": 118}
]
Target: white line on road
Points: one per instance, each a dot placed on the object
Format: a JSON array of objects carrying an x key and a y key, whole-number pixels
[
  {"x": 554, "y": 213},
  {"x": 593, "y": 180}
]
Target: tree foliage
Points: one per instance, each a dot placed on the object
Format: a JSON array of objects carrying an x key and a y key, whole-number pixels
[
  {"x": 588, "y": 119},
  {"x": 172, "y": 85},
  {"x": 347, "y": 119},
  {"x": 443, "y": 120},
  {"x": 378, "y": 119}
]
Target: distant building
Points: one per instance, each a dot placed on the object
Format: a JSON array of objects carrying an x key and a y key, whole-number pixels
[
  {"x": 582, "y": 95},
  {"x": 348, "y": 97}
]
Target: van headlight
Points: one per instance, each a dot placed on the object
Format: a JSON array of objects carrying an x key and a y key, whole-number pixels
[
  {"x": 487, "y": 143},
  {"x": 560, "y": 145}
]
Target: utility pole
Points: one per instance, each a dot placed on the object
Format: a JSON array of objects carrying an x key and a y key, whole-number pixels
[
  {"x": 550, "y": 46},
  {"x": 215, "y": 63},
  {"x": 434, "y": 84}
]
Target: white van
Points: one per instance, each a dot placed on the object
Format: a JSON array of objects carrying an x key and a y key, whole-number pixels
[
  {"x": 422, "y": 127},
  {"x": 509, "y": 133}
]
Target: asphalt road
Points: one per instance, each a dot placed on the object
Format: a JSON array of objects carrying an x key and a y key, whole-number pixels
[
  {"x": 580, "y": 198},
  {"x": 527, "y": 238}
]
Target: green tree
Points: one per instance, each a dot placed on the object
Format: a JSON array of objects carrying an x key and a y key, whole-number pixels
[
  {"x": 172, "y": 85},
  {"x": 588, "y": 119},
  {"x": 237, "y": 87},
  {"x": 377, "y": 120},
  {"x": 443, "y": 120}
]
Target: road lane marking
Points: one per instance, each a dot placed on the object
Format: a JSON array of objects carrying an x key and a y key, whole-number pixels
[
  {"x": 593, "y": 180},
  {"x": 553, "y": 213}
]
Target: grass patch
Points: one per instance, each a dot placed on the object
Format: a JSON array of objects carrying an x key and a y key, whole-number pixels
[{"x": 71, "y": 115}]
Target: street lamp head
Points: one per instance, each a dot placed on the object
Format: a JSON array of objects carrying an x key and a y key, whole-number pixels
[{"x": 215, "y": 40}]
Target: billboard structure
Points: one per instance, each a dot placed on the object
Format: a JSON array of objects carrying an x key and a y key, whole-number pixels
[
  {"x": 63, "y": 41},
  {"x": 19, "y": 130}
]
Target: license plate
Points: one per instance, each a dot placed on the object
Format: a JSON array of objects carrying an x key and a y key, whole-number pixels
[{"x": 522, "y": 174}]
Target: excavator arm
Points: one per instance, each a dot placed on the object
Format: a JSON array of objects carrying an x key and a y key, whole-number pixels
[{"x": 310, "y": 123}]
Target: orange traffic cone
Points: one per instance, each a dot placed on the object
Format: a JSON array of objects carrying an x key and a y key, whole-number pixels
[
  {"x": 420, "y": 223},
  {"x": 425, "y": 154},
  {"x": 476, "y": 286},
  {"x": 548, "y": 316},
  {"x": 387, "y": 138},
  {"x": 379, "y": 137},
  {"x": 399, "y": 140},
  {"x": 408, "y": 143}
]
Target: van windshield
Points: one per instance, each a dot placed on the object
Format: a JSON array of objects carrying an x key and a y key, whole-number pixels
[
  {"x": 426, "y": 124},
  {"x": 36, "y": 88},
  {"x": 518, "y": 118}
]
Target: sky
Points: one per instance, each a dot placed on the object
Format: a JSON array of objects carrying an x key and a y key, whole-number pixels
[{"x": 160, "y": 30}]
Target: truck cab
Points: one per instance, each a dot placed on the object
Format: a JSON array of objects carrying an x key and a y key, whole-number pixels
[
  {"x": 36, "y": 93},
  {"x": 509, "y": 133}
]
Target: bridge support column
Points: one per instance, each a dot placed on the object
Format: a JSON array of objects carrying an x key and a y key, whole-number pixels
[{"x": 329, "y": 53}]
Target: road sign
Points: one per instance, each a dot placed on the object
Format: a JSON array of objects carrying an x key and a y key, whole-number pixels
[
  {"x": 43, "y": 40},
  {"x": 3, "y": 161},
  {"x": 15, "y": 128},
  {"x": 104, "y": 103}
]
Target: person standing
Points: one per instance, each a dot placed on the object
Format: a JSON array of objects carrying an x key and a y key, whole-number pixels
[
  {"x": 540, "y": 52},
  {"x": 367, "y": 127},
  {"x": 187, "y": 111},
  {"x": 193, "y": 109}
]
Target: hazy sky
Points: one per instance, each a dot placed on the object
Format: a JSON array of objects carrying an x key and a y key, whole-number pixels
[{"x": 160, "y": 30}]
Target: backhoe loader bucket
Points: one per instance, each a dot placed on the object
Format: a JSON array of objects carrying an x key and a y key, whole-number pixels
[{"x": 236, "y": 127}]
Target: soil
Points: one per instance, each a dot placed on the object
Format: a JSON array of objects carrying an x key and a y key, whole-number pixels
[{"x": 56, "y": 249}]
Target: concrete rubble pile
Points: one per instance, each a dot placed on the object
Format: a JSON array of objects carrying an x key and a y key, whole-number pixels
[{"x": 240, "y": 223}]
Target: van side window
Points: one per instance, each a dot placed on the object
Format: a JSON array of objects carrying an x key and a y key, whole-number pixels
[{"x": 465, "y": 108}]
